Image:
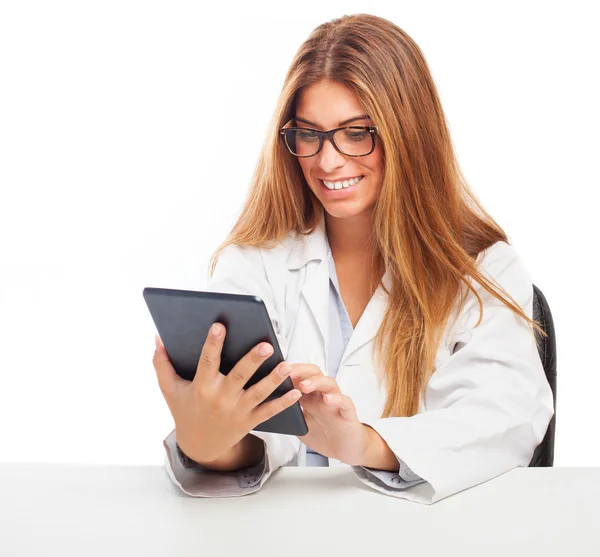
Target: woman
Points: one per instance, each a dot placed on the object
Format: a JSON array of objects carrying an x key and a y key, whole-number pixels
[{"x": 402, "y": 310}]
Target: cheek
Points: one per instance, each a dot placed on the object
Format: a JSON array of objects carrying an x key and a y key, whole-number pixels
[
  {"x": 306, "y": 171},
  {"x": 375, "y": 167},
  {"x": 376, "y": 163},
  {"x": 305, "y": 167},
  {"x": 377, "y": 184},
  {"x": 373, "y": 162}
]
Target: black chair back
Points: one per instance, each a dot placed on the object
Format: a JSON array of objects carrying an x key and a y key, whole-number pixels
[{"x": 544, "y": 453}]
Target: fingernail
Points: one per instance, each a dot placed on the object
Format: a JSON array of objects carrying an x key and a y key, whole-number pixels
[
  {"x": 295, "y": 395},
  {"x": 156, "y": 341},
  {"x": 216, "y": 329},
  {"x": 265, "y": 350},
  {"x": 285, "y": 369},
  {"x": 306, "y": 383}
]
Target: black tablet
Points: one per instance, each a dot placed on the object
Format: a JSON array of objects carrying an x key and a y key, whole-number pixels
[{"x": 183, "y": 319}]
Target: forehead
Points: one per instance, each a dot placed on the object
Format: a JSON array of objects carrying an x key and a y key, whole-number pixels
[{"x": 327, "y": 104}]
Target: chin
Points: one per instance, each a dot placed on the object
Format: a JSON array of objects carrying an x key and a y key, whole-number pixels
[{"x": 344, "y": 211}]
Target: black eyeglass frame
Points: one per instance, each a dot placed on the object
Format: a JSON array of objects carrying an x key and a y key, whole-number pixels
[{"x": 329, "y": 135}]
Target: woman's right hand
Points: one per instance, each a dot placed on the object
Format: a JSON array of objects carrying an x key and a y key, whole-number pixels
[{"x": 213, "y": 413}]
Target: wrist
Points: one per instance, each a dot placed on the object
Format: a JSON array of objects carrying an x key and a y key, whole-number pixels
[
  {"x": 249, "y": 451},
  {"x": 378, "y": 454},
  {"x": 252, "y": 450}
]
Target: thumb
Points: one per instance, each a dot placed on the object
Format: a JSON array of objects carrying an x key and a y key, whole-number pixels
[{"x": 168, "y": 379}]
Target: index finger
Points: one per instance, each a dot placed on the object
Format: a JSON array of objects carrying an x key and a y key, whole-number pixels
[
  {"x": 304, "y": 371},
  {"x": 210, "y": 357}
]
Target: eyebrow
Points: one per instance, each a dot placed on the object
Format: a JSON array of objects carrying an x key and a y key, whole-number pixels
[{"x": 343, "y": 123}]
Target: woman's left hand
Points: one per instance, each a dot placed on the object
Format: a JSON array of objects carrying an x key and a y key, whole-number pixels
[{"x": 333, "y": 426}]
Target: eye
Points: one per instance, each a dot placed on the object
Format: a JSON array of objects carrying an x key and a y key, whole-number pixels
[
  {"x": 307, "y": 135},
  {"x": 356, "y": 135}
]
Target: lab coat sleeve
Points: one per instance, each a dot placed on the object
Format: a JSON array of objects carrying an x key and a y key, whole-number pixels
[
  {"x": 402, "y": 479},
  {"x": 198, "y": 481},
  {"x": 238, "y": 271},
  {"x": 488, "y": 404}
]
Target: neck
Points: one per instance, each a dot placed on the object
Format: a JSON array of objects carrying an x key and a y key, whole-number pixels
[
  {"x": 349, "y": 236},
  {"x": 351, "y": 247}
]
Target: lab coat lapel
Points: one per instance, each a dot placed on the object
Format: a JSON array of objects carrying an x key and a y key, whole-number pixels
[
  {"x": 309, "y": 256},
  {"x": 316, "y": 294},
  {"x": 369, "y": 321}
]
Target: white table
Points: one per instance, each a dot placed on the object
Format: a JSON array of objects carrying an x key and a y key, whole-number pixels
[{"x": 83, "y": 511}]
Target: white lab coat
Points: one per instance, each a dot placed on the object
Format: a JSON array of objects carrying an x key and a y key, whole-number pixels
[{"x": 487, "y": 405}]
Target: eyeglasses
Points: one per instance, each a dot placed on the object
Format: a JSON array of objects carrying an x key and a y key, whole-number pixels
[{"x": 352, "y": 141}]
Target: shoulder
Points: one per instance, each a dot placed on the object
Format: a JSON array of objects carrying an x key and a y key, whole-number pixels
[
  {"x": 254, "y": 271},
  {"x": 502, "y": 264},
  {"x": 498, "y": 255},
  {"x": 277, "y": 256}
]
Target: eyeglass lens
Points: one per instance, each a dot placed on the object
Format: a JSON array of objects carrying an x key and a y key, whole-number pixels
[{"x": 353, "y": 142}]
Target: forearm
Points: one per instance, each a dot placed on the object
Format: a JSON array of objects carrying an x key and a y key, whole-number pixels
[
  {"x": 248, "y": 452},
  {"x": 378, "y": 454}
]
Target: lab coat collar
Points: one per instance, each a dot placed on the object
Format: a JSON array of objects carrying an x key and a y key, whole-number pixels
[
  {"x": 313, "y": 248},
  {"x": 309, "y": 247}
]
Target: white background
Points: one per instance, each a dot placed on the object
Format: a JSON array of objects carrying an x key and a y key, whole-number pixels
[{"x": 121, "y": 166}]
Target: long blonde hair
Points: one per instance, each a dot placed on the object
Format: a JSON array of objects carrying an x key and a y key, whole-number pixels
[{"x": 428, "y": 225}]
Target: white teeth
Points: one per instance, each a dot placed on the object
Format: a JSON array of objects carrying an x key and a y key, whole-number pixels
[{"x": 344, "y": 184}]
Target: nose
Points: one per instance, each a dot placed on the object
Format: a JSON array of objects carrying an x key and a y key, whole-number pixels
[{"x": 329, "y": 157}]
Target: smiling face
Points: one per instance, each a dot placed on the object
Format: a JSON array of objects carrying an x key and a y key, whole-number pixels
[{"x": 325, "y": 106}]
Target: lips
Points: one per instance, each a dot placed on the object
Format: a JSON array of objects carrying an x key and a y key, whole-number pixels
[
  {"x": 341, "y": 179},
  {"x": 353, "y": 181},
  {"x": 340, "y": 193}
]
